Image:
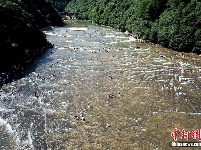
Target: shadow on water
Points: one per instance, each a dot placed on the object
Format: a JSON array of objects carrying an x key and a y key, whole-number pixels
[
  {"x": 102, "y": 90},
  {"x": 21, "y": 71}
]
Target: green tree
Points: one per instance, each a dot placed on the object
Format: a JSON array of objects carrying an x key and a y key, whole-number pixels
[{"x": 172, "y": 23}]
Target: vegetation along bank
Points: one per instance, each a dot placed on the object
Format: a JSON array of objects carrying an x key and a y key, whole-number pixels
[
  {"x": 21, "y": 38},
  {"x": 174, "y": 24}
]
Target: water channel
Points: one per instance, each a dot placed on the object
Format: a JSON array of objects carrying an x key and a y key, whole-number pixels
[{"x": 101, "y": 89}]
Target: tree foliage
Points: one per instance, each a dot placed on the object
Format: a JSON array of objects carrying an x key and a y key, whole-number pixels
[
  {"x": 20, "y": 34},
  {"x": 172, "y": 23},
  {"x": 59, "y": 4}
]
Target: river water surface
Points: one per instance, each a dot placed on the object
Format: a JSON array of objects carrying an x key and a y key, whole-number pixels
[{"x": 101, "y": 89}]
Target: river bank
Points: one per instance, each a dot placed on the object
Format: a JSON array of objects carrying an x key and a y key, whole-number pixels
[
  {"x": 21, "y": 37},
  {"x": 100, "y": 92},
  {"x": 172, "y": 24}
]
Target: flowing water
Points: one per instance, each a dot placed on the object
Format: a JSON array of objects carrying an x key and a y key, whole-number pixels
[{"x": 101, "y": 89}]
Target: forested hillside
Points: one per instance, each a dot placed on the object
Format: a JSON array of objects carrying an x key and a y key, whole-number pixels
[
  {"x": 20, "y": 34},
  {"x": 59, "y": 5},
  {"x": 172, "y": 23}
]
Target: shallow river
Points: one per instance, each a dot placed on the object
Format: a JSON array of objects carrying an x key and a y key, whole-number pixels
[{"x": 101, "y": 89}]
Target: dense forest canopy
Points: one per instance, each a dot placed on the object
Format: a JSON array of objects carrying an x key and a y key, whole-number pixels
[
  {"x": 20, "y": 34},
  {"x": 59, "y": 5},
  {"x": 172, "y": 23}
]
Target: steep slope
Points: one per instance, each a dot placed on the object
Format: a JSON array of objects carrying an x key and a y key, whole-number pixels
[
  {"x": 59, "y": 4},
  {"x": 172, "y": 23},
  {"x": 20, "y": 34},
  {"x": 43, "y": 12}
]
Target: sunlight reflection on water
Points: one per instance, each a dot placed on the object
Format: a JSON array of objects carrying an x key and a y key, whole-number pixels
[{"x": 94, "y": 89}]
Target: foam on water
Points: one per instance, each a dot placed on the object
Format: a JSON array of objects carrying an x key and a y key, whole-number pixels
[
  {"x": 78, "y": 29},
  {"x": 6, "y": 125},
  {"x": 78, "y": 79},
  {"x": 8, "y": 137},
  {"x": 49, "y": 33}
]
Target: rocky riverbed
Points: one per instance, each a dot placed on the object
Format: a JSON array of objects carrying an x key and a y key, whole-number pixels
[{"x": 101, "y": 89}]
